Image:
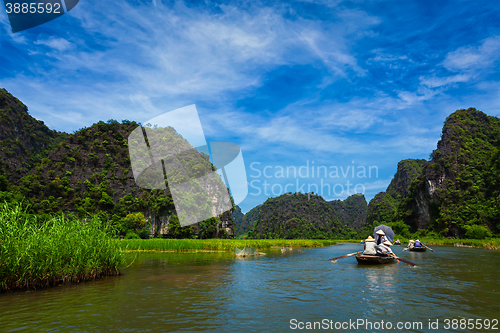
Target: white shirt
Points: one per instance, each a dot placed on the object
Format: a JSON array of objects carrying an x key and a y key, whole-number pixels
[{"x": 384, "y": 248}]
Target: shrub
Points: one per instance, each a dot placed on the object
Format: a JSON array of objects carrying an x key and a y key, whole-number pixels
[
  {"x": 477, "y": 231},
  {"x": 131, "y": 235}
]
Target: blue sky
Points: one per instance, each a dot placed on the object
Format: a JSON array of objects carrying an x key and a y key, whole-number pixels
[{"x": 336, "y": 84}]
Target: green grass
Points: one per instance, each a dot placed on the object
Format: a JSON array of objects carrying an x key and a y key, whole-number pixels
[
  {"x": 36, "y": 253},
  {"x": 194, "y": 245},
  {"x": 490, "y": 244}
]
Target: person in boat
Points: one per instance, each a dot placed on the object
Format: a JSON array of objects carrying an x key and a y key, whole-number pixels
[
  {"x": 411, "y": 243},
  {"x": 385, "y": 249},
  {"x": 370, "y": 248},
  {"x": 380, "y": 237},
  {"x": 418, "y": 244}
]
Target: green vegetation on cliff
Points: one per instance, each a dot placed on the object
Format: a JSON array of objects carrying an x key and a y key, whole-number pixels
[
  {"x": 89, "y": 173},
  {"x": 297, "y": 215},
  {"x": 457, "y": 192}
]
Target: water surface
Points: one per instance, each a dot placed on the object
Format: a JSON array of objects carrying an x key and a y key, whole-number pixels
[{"x": 166, "y": 292}]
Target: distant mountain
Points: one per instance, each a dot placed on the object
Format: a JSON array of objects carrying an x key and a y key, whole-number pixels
[
  {"x": 352, "y": 211},
  {"x": 297, "y": 215},
  {"x": 247, "y": 221},
  {"x": 237, "y": 217},
  {"x": 89, "y": 172}
]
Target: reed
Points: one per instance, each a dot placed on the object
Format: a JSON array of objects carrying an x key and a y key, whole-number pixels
[
  {"x": 490, "y": 244},
  {"x": 194, "y": 245},
  {"x": 37, "y": 253}
]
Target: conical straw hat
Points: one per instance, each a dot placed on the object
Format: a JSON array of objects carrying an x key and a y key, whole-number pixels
[
  {"x": 380, "y": 232},
  {"x": 370, "y": 239}
]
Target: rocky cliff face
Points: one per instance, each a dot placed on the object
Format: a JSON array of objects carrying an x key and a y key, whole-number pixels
[
  {"x": 89, "y": 172},
  {"x": 24, "y": 141},
  {"x": 383, "y": 208},
  {"x": 459, "y": 185},
  {"x": 457, "y": 192}
]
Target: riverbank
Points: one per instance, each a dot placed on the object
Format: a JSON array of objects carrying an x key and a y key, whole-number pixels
[
  {"x": 40, "y": 253},
  {"x": 489, "y": 244},
  {"x": 199, "y": 245}
]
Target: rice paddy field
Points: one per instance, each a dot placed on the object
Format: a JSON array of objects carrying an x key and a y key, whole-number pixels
[
  {"x": 197, "y": 245},
  {"x": 37, "y": 253}
]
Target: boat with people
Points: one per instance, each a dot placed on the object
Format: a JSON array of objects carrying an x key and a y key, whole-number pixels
[
  {"x": 416, "y": 246},
  {"x": 376, "y": 250},
  {"x": 418, "y": 249},
  {"x": 366, "y": 259}
]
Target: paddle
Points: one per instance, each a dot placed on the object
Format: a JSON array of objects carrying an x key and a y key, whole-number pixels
[
  {"x": 406, "y": 261},
  {"x": 347, "y": 255},
  {"x": 428, "y": 248}
]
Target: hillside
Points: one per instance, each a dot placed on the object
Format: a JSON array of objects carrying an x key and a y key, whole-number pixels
[
  {"x": 247, "y": 221},
  {"x": 297, "y": 215},
  {"x": 384, "y": 207},
  {"x": 89, "y": 172},
  {"x": 352, "y": 211},
  {"x": 24, "y": 141},
  {"x": 457, "y": 192}
]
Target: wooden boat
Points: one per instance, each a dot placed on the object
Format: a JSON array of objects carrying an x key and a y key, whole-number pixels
[
  {"x": 397, "y": 242},
  {"x": 418, "y": 249},
  {"x": 366, "y": 259}
]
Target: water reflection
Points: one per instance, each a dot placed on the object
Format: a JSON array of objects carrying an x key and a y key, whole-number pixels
[{"x": 215, "y": 291}]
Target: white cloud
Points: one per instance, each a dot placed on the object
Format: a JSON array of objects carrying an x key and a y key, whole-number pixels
[
  {"x": 59, "y": 44},
  {"x": 474, "y": 57},
  {"x": 434, "y": 82}
]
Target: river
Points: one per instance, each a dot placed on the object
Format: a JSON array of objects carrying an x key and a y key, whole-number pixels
[{"x": 166, "y": 292}]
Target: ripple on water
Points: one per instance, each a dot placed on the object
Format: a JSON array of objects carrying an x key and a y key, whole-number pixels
[{"x": 194, "y": 292}]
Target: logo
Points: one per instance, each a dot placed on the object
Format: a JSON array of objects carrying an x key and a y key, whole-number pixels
[
  {"x": 162, "y": 157},
  {"x": 26, "y": 14}
]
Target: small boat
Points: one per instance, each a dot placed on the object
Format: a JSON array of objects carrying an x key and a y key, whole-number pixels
[
  {"x": 397, "y": 242},
  {"x": 366, "y": 259},
  {"x": 418, "y": 249}
]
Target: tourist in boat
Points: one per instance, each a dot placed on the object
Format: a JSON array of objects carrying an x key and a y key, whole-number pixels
[
  {"x": 417, "y": 244},
  {"x": 411, "y": 243},
  {"x": 370, "y": 246},
  {"x": 380, "y": 237},
  {"x": 385, "y": 249}
]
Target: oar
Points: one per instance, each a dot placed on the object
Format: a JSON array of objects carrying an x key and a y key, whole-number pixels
[
  {"x": 347, "y": 255},
  {"x": 428, "y": 248},
  {"x": 406, "y": 261}
]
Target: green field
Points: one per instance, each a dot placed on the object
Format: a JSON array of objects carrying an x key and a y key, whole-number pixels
[
  {"x": 38, "y": 253},
  {"x": 194, "y": 245},
  {"x": 489, "y": 244}
]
